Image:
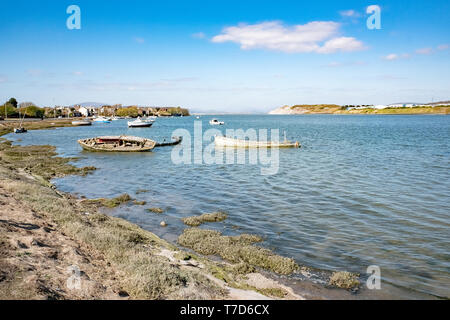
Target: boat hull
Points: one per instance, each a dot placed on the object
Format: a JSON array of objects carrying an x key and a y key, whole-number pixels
[
  {"x": 238, "y": 143},
  {"x": 117, "y": 144}
]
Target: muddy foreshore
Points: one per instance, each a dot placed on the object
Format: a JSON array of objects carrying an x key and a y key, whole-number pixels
[{"x": 57, "y": 246}]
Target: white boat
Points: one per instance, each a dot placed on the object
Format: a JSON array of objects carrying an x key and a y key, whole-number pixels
[
  {"x": 81, "y": 123},
  {"x": 116, "y": 118},
  {"x": 215, "y": 122},
  {"x": 102, "y": 119},
  {"x": 220, "y": 141},
  {"x": 139, "y": 123}
]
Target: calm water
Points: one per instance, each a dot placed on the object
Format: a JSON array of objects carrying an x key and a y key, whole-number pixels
[{"x": 363, "y": 190}]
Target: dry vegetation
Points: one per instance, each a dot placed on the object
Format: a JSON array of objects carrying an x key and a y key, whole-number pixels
[{"x": 195, "y": 221}]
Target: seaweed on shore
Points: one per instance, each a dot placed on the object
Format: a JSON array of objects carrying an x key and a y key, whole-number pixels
[
  {"x": 236, "y": 249},
  {"x": 195, "y": 221},
  {"x": 344, "y": 280},
  {"x": 109, "y": 202}
]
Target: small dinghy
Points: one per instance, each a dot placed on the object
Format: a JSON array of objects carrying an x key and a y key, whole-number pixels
[
  {"x": 117, "y": 144},
  {"x": 102, "y": 119},
  {"x": 238, "y": 143},
  {"x": 139, "y": 123},
  {"x": 81, "y": 123},
  {"x": 215, "y": 122}
]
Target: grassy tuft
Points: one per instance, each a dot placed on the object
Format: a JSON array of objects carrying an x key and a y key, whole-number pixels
[
  {"x": 344, "y": 280},
  {"x": 195, "y": 221},
  {"x": 155, "y": 210}
]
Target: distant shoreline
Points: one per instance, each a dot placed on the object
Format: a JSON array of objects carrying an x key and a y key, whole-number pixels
[{"x": 335, "y": 109}]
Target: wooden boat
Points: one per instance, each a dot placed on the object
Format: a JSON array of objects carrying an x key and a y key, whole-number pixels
[
  {"x": 81, "y": 123},
  {"x": 176, "y": 140},
  {"x": 238, "y": 143},
  {"x": 139, "y": 123},
  {"x": 117, "y": 144}
]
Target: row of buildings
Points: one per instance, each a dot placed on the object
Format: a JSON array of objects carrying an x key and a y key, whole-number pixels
[
  {"x": 108, "y": 110},
  {"x": 399, "y": 105}
]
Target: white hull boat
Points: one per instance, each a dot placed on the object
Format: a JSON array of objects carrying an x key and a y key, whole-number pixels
[
  {"x": 139, "y": 123},
  {"x": 240, "y": 143}
]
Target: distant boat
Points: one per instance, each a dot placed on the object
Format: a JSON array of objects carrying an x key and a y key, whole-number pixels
[
  {"x": 215, "y": 122},
  {"x": 239, "y": 143},
  {"x": 20, "y": 130},
  {"x": 139, "y": 123},
  {"x": 81, "y": 123},
  {"x": 102, "y": 119},
  {"x": 116, "y": 118},
  {"x": 117, "y": 144}
]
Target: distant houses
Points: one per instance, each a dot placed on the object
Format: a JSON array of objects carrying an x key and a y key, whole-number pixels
[{"x": 111, "y": 110}]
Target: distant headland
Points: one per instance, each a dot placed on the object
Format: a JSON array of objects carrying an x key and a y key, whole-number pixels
[{"x": 441, "y": 107}]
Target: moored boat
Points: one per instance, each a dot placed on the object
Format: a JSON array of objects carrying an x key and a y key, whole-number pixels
[
  {"x": 102, "y": 119},
  {"x": 20, "y": 130},
  {"x": 117, "y": 144},
  {"x": 139, "y": 123},
  {"x": 81, "y": 123},
  {"x": 215, "y": 122},
  {"x": 240, "y": 143}
]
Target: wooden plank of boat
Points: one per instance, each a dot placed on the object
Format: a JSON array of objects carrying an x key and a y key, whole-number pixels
[
  {"x": 117, "y": 144},
  {"x": 239, "y": 143}
]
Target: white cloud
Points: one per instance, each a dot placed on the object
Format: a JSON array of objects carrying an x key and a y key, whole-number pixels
[
  {"x": 275, "y": 36},
  {"x": 77, "y": 73},
  {"x": 443, "y": 47},
  {"x": 349, "y": 13},
  {"x": 424, "y": 51},
  {"x": 391, "y": 57},
  {"x": 395, "y": 56},
  {"x": 198, "y": 35}
]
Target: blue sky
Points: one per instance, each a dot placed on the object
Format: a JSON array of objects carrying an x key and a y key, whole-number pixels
[{"x": 236, "y": 56}]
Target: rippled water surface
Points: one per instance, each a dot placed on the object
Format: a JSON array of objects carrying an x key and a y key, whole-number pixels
[{"x": 363, "y": 190}]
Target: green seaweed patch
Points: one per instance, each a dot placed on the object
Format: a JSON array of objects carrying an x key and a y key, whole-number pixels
[
  {"x": 155, "y": 210},
  {"x": 109, "y": 203},
  {"x": 139, "y": 203},
  {"x": 195, "y": 221},
  {"x": 344, "y": 280},
  {"x": 236, "y": 249},
  {"x": 139, "y": 191}
]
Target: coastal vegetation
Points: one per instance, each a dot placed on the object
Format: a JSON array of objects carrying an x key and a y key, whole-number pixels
[
  {"x": 155, "y": 210},
  {"x": 344, "y": 280},
  {"x": 128, "y": 112},
  {"x": 195, "y": 221},
  {"x": 236, "y": 249}
]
